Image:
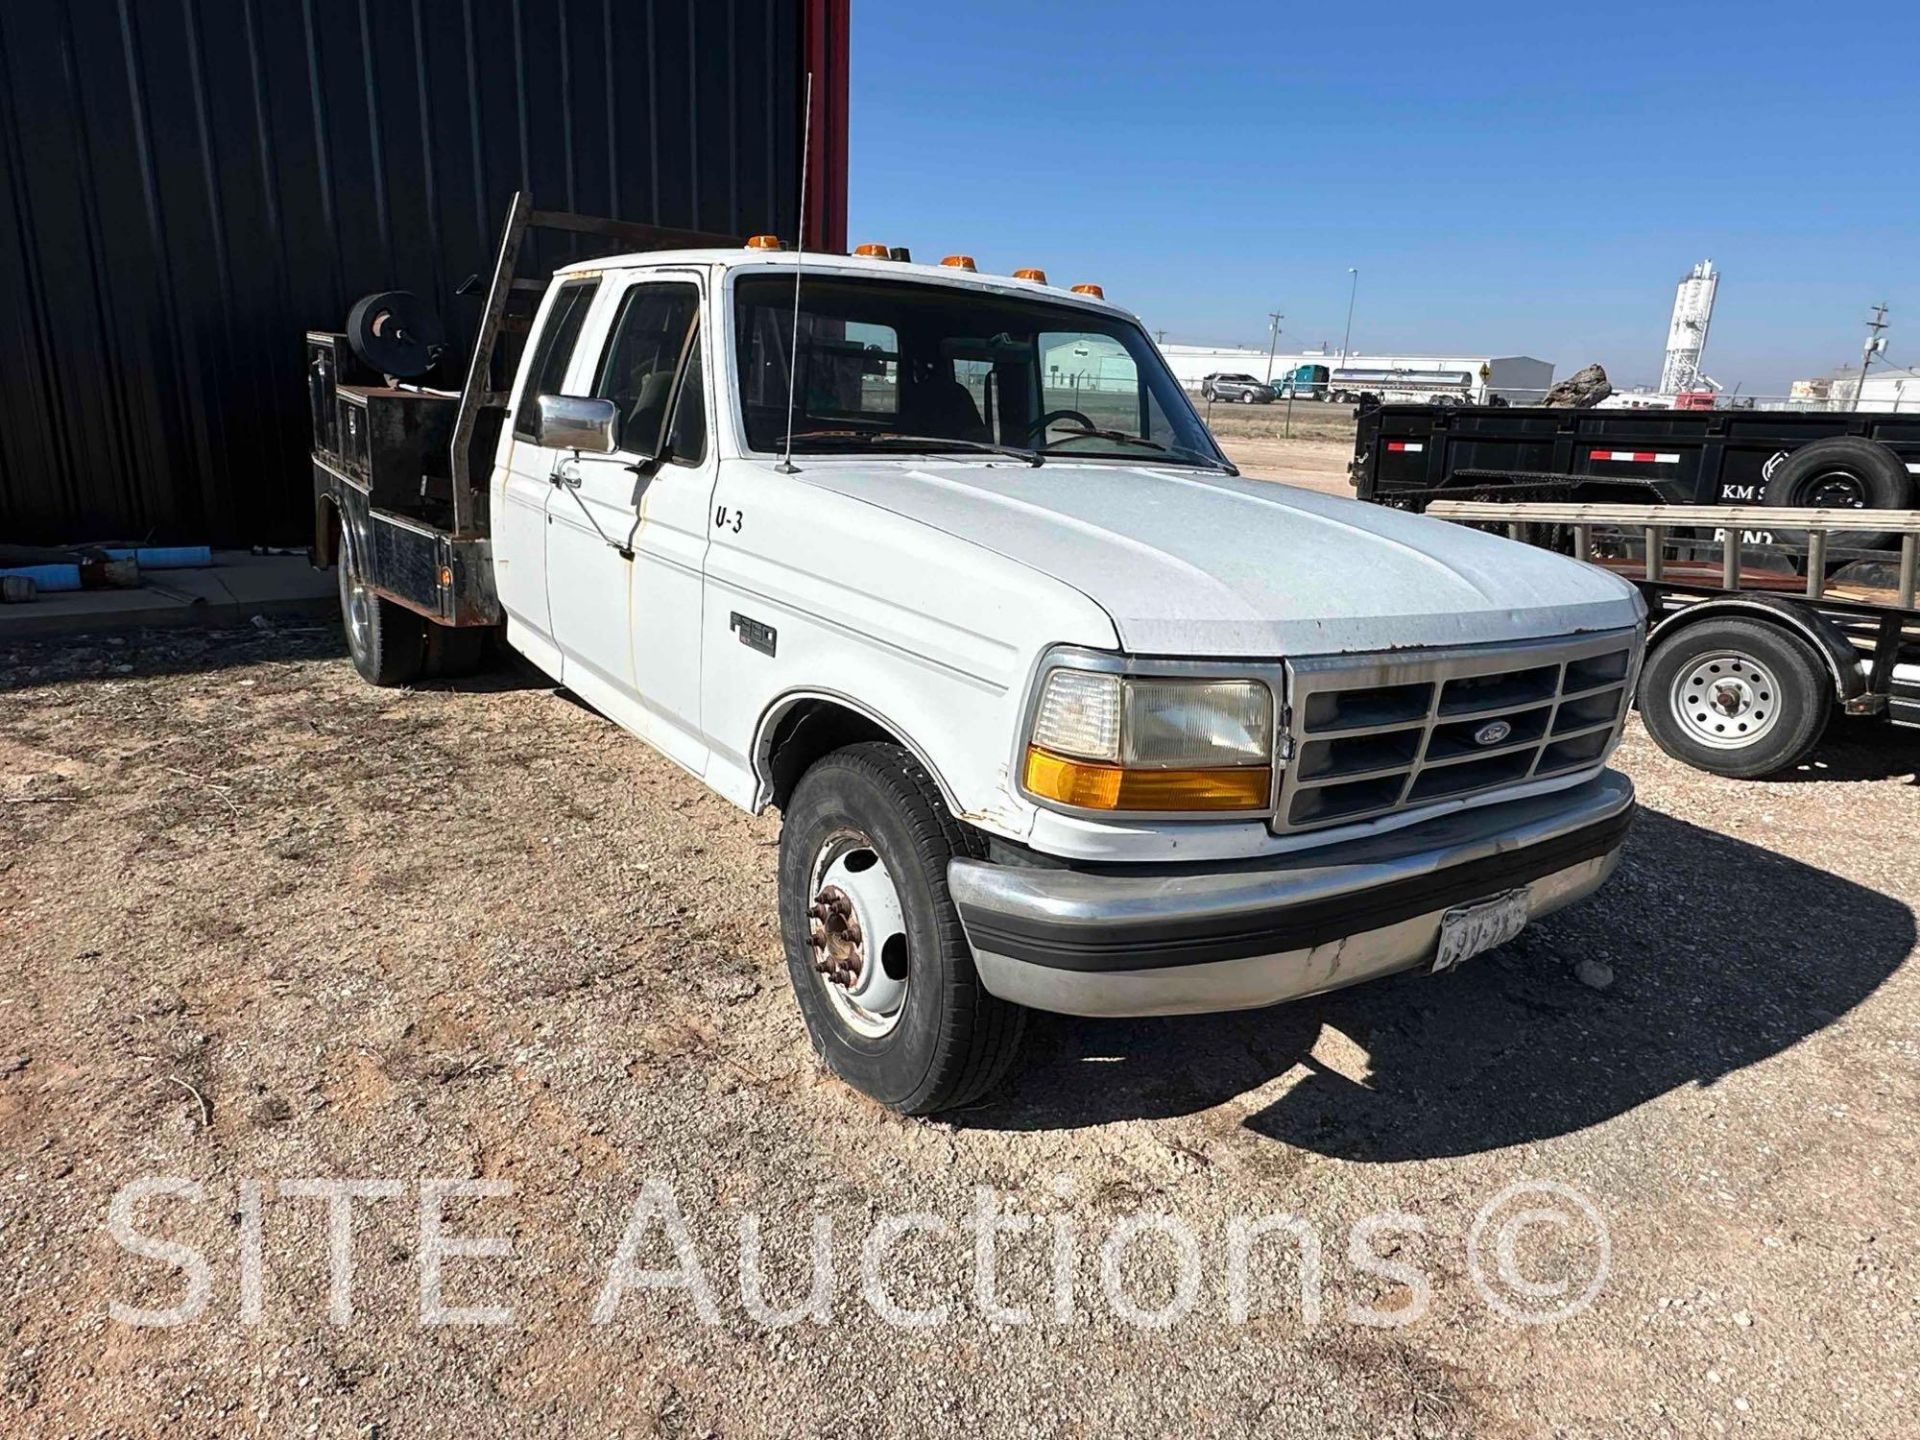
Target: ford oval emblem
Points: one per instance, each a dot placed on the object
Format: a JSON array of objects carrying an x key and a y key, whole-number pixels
[{"x": 1492, "y": 733}]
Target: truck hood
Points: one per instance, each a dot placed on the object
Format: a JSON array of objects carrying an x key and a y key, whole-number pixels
[{"x": 1188, "y": 562}]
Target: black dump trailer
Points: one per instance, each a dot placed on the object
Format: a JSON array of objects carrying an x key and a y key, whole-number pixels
[{"x": 1410, "y": 455}]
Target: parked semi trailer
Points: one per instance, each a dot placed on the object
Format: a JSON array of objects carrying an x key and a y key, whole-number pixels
[
  {"x": 1059, "y": 712},
  {"x": 1409, "y": 455}
]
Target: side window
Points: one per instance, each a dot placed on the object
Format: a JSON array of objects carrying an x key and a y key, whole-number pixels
[
  {"x": 643, "y": 355},
  {"x": 547, "y": 370},
  {"x": 687, "y": 439}
]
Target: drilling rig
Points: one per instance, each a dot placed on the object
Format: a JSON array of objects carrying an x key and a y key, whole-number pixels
[{"x": 1681, "y": 376}]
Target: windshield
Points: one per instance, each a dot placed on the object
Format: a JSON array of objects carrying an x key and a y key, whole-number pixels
[{"x": 889, "y": 364}]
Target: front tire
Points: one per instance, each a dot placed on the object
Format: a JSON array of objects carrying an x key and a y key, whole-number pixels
[
  {"x": 875, "y": 950},
  {"x": 1739, "y": 698}
]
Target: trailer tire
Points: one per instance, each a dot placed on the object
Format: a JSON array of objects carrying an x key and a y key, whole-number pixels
[
  {"x": 1841, "y": 471},
  {"x": 1740, "y": 698},
  {"x": 387, "y": 642},
  {"x": 867, "y": 823}
]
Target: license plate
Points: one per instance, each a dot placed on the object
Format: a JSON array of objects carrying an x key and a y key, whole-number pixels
[{"x": 1467, "y": 930}]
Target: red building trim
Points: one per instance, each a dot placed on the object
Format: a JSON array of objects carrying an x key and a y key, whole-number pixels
[{"x": 826, "y": 58}]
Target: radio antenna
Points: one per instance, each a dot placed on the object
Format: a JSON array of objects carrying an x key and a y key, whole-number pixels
[{"x": 785, "y": 467}]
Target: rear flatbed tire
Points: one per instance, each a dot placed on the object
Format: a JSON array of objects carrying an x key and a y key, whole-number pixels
[{"x": 387, "y": 642}]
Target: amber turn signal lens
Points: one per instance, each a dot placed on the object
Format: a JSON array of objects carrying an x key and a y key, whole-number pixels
[
  {"x": 877, "y": 252},
  {"x": 959, "y": 262},
  {"x": 1093, "y": 290},
  {"x": 1089, "y": 786},
  {"x": 1039, "y": 277},
  {"x": 765, "y": 242}
]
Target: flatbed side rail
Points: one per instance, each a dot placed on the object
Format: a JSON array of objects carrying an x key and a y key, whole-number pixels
[
  {"x": 1655, "y": 520},
  {"x": 478, "y": 393}
]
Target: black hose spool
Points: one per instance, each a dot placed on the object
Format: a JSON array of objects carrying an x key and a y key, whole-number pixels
[{"x": 395, "y": 333}]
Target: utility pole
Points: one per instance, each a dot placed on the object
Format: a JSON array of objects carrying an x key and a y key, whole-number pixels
[
  {"x": 1274, "y": 317},
  {"x": 1353, "y": 290},
  {"x": 1160, "y": 337},
  {"x": 1875, "y": 344}
]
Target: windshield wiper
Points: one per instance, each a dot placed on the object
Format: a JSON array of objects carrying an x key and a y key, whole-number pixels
[
  {"x": 1123, "y": 438},
  {"x": 925, "y": 442}
]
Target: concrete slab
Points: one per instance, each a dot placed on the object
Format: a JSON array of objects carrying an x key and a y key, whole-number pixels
[{"x": 237, "y": 587}]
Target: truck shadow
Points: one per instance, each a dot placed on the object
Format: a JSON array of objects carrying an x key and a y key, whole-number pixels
[
  {"x": 136, "y": 654},
  {"x": 1724, "y": 954}
]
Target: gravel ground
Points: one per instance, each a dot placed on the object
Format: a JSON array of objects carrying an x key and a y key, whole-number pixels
[{"x": 261, "y": 923}]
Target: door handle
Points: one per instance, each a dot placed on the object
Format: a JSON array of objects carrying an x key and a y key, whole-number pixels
[{"x": 567, "y": 473}]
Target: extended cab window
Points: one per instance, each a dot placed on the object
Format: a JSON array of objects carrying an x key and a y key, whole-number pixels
[
  {"x": 650, "y": 336},
  {"x": 547, "y": 370},
  {"x": 910, "y": 366}
]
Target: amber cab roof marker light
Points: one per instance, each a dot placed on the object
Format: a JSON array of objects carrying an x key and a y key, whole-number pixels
[
  {"x": 765, "y": 242},
  {"x": 1039, "y": 277},
  {"x": 1094, "y": 290},
  {"x": 874, "y": 251},
  {"x": 959, "y": 262}
]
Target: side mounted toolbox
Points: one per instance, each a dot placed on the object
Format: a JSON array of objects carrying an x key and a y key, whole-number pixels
[{"x": 331, "y": 363}]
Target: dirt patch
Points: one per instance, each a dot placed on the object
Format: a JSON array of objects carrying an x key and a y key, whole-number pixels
[
  {"x": 1312, "y": 449},
  {"x": 260, "y": 922}
]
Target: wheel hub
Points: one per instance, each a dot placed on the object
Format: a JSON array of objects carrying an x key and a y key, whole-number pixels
[
  {"x": 1726, "y": 701},
  {"x": 359, "y": 599},
  {"x": 836, "y": 936},
  {"x": 856, "y": 933},
  {"x": 1837, "y": 490}
]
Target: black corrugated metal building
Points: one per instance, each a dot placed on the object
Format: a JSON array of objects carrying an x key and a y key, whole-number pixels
[{"x": 187, "y": 185}]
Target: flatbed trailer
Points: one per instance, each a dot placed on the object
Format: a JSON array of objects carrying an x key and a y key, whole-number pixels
[
  {"x": 1411, "y": 455},
  {"x": 1753, "y": 648}
]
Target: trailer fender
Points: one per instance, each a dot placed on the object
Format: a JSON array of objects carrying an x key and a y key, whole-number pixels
[{"x": 1840, "y": 658}]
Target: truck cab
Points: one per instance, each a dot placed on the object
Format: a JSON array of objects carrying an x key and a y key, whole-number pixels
[{"x": 1059, "y": 711}]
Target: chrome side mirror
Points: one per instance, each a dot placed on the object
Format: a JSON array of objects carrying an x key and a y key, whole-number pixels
[{"x": 575, "y": 422}]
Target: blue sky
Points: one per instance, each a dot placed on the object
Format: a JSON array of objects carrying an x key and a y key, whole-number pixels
[{"x": 1505, "y": 180}]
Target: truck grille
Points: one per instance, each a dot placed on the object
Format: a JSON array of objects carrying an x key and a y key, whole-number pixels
[{"x": 1376, "y": 734}]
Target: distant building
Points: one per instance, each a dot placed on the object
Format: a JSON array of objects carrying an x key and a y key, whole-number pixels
[
  {"x": 1517, "y": 379},
  {"x": 1896, "y": 391}
]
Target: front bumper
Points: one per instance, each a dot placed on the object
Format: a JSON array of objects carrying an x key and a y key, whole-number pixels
[{"x": 1183, "y": 939}]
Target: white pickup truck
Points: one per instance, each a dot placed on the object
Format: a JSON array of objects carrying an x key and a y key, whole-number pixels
[{"x": 1059, "y": 712}]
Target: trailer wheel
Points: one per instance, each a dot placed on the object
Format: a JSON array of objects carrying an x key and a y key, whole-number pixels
[
  {"x": 875, "y": 951},
  {"x": 1840, "y": 473},
  {"x": 1740, "y": 698},
  {"x": 388, "y": 642}
]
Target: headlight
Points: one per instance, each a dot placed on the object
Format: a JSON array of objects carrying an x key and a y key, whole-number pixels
[{"x": 1108, "y": 742}]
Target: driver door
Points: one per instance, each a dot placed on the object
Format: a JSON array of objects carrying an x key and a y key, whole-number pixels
[{"x": 628, "y": 538}]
